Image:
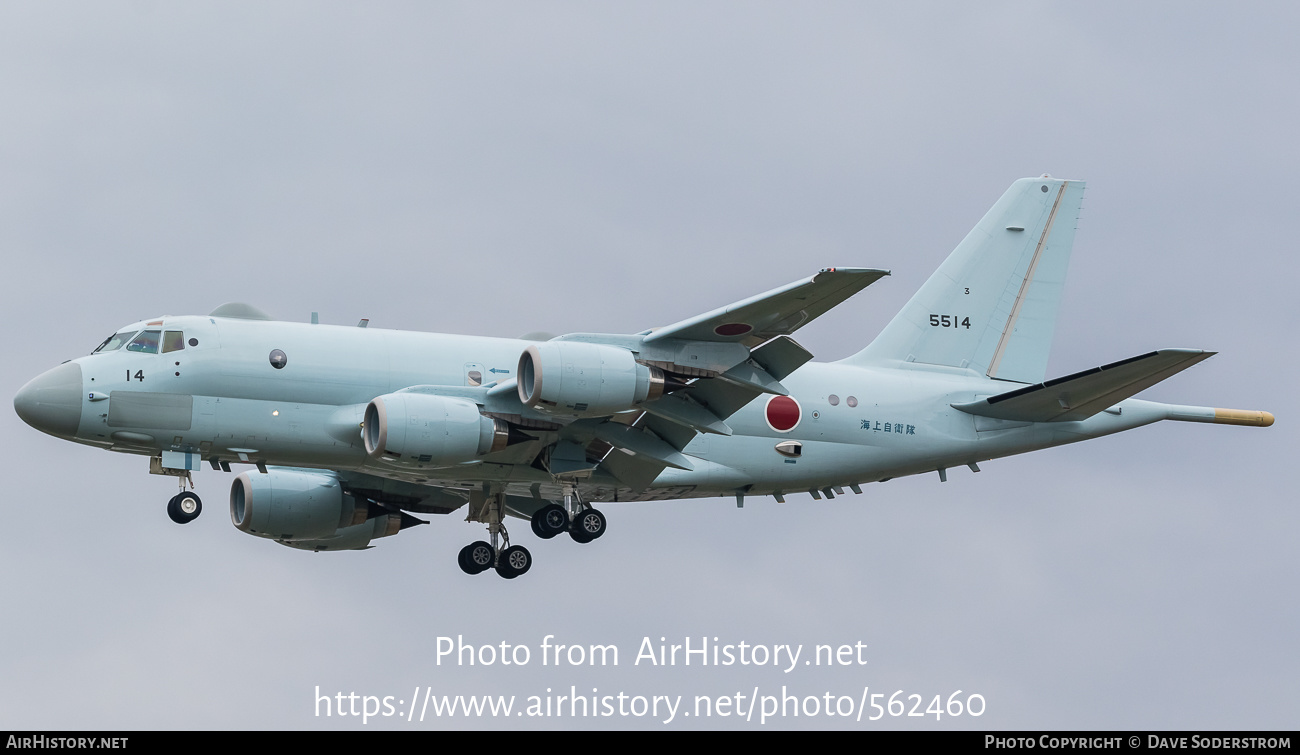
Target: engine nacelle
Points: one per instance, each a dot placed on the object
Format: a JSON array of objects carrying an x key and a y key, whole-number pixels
[
  {"x": 286, "y": 504},
  {"x": 307, "y": 510},
  {"x": 355, "y": 537},
  {"x": 427, "y": 429},
  {"x": 584, "y": 379}
]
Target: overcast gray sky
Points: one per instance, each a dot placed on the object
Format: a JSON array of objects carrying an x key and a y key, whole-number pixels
[{"x": 500, "y": 168}]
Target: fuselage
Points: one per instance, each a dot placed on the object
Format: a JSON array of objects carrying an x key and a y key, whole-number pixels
[
  {"x": 353, "y": 431},
  {"x": 214, "y": 387}
]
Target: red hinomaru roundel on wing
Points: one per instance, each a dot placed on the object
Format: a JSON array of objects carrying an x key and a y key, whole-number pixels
[
  {"x": 782, "y": 413},
  {"x": 733, "y": 329}
]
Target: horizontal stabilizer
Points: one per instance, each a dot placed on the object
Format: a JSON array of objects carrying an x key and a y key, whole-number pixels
[{"x": 1081, "y": 395}]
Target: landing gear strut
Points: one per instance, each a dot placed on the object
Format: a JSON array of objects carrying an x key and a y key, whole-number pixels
[
  {"x": 488, "y": 506},
  {"x": 185, "y": 506},
  {"x": 585, "y": 523},
  {"x": 577, "y": 517}
]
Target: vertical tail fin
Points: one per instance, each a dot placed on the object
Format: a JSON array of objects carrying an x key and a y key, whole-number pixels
[{"x": 992, "y": 305}]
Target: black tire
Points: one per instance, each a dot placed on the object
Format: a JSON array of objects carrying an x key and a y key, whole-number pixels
[
  {"x": 476, "y": 557},
  {"x": 579, "y": 536},
  {"x": 184, "y": 508},
  {"x": 590, "y": 523},
  {"x": 514, "y": 561},
  {"x": 550, "y": 520}
]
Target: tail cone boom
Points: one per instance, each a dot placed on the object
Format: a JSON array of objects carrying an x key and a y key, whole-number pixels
[{"x": 1245, "y": 417}]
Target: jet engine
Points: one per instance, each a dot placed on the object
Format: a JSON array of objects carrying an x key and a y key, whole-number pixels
[
  {"x": 585, "y": 379},
  {"x": 308, "y": 510},
  {"x": 427, "y": 429}
]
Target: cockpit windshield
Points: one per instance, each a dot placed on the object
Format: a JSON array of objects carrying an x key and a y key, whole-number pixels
[
  {"x": 115, "y": 341},
  {"x": 146, "y": 342}
]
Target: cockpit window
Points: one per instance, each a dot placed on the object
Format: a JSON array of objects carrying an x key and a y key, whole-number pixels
[
  {"x": 173, "y": 340},
  {"x": 146, "y": 342},
  {"x": 115, "y": 341}
]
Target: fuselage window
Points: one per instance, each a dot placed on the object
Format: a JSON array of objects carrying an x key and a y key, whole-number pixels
[
  {"x": 173, "y": 340},
  {"x": 146, "y": 342},
  {"x": 115, "y": 341}
]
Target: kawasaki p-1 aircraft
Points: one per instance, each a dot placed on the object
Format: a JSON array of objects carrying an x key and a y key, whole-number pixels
[{"x": 349, "y": 431}]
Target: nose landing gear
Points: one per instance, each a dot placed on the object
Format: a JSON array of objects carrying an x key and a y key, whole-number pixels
[{"x": 185, "y": 506}]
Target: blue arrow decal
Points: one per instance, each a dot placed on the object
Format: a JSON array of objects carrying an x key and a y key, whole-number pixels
[{"x": 495, "y": 371}]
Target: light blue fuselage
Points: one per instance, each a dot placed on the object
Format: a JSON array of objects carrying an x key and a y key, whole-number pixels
[
  {"x": 308, "y": 413},
  {"x": 348, "y": 431}
]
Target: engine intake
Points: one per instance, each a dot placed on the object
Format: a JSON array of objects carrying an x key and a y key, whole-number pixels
[{"x": 309, "y": 510}]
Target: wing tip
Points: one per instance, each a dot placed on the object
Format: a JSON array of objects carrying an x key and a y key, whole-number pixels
[{"x": 854, "y": 271}]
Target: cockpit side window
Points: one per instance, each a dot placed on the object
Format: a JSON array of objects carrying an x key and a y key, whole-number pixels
[
  {"x": 173, "y": 340},
  {"x": 146, "y": 342},
  {"x": 115, "y": 341}
]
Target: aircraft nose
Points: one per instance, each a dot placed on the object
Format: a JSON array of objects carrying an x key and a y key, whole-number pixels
[{"x": 51, "y": 402}]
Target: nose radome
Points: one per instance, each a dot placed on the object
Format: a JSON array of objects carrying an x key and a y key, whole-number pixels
[{"x": 51, "y": 402}]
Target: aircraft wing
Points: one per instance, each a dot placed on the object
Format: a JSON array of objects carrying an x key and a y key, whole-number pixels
[
  {"x": 716, "y": 362},
  {"x": 642, "y": 447},
  {"x": 780, "y": 311}
]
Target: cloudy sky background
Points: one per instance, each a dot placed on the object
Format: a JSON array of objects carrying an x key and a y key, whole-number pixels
[{"x": 503, "y": 168}]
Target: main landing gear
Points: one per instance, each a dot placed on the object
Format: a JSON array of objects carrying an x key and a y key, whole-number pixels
[
  {"x": 480, "y": 556},
  {"x": 477, "y": 557},
  {"x": 577, "y": 517},
  {"x": 185, "y": 506}
]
